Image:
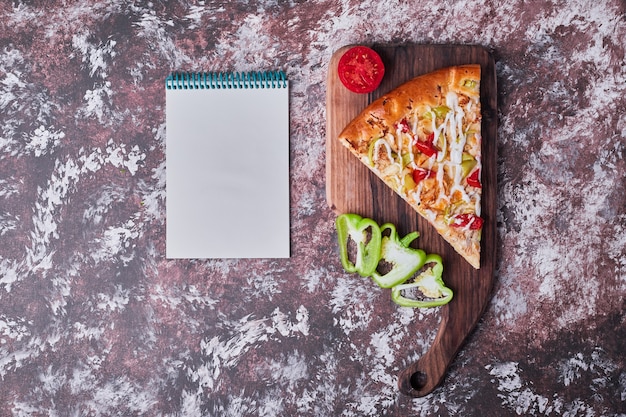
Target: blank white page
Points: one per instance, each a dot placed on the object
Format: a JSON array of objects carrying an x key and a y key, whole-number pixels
[{"x": 227, "y": 173}]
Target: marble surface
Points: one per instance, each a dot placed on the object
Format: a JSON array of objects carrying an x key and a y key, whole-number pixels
[{"x": 94, "y": 321}]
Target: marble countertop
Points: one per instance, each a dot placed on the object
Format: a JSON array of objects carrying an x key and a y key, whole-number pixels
[{"x": 95, "y": 321}]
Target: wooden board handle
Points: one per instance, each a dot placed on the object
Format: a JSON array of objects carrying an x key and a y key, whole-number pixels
[
  {"x": 458, "y": 319},
  {"x": 423, "y": 376}
]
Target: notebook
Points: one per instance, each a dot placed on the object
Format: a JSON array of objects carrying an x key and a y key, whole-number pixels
[{"x": 227, "y": 165}]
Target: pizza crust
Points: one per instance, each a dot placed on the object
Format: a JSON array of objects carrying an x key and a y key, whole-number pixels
[{"x": 418, "y": 96}]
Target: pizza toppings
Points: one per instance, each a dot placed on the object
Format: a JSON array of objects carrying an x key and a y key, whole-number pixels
[
  {"x": 449, "y": 153},
  {"x": 415, "y": 161},
  {"x": 420, "y": 174},
  {"x": 474, "y": 179},
  {"x": 361, "y": 69},
  {"x": 378, "y": 251},
  {"x": 427, "y": 146},
  {"x": 423, "y": 139}
]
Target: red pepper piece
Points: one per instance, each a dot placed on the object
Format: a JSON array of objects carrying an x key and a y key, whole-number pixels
[
  {"x": 427, "y": 147},
  {"x": 462, "y": 220},
  {"x": 474, "y": 179},
  {"x": 403, "y": 125},
  {"x": 421, "y": 174}
]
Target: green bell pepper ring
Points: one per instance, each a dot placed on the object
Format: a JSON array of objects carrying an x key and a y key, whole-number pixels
[
  {"x": 429, "y": 283},
  {"x": 352, "y": 227},
  {"x": 396, "y": 253}
]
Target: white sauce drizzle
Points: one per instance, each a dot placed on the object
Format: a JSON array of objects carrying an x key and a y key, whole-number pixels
[
  {"x": 442, "y": 194},
  {"x": 453, "y": 141},
  {"x": 456, "y": 134},
  {"x": 400, "y": 144},
  {"x": 456, "y": 185},
  {"x": 383, "y": 142}
]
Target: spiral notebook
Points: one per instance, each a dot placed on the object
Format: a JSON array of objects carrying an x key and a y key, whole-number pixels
[{"x": 227, "y": 165}]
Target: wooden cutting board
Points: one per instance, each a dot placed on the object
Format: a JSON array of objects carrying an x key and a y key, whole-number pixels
[{"x": 352, "y": 188}]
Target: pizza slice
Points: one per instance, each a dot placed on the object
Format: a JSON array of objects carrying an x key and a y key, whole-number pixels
[{"x": 423, "y": 139}]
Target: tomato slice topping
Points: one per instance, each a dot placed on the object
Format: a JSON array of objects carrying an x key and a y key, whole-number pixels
[{"x": 360, "y": 69}]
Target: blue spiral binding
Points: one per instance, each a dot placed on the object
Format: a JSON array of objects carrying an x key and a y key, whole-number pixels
[{"x": 226, "y": 80}]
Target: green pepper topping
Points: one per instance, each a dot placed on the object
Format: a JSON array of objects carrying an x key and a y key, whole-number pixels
[
  {"x": 470, "y": 83},
  {"x": 370, "y": 151},
  {"x": 467, "y": 157},
  {"x": 409, "y": 183},
  {"x": 468, "y": 163},
  {"x": 396, "y": 254},
  {"x": 366, "y": 235},
  {"x": 441, "y": 111},
  {"x": 429, "y": 283},
  {"x": 406, "y": 159}
]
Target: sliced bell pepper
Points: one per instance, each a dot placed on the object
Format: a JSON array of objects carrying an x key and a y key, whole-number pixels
[
  {"x": 471, "y": 84},
  {"x": 395, "y": 253},
  {"x": 429, "y": 283},
  {"x": 467, "y": 219},
  {"x": 420, "y": 174},
  {"x": 426, "y": 147},
  {"x": 366, "y": 235},
  {"x": 403, "y": 125},
  {"x": 408, "y": 183},
  {"x": 468, "y": 163},
  {"x": 474, "y": 179}
]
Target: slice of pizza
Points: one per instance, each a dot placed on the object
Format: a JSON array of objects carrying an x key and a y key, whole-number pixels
[{"x": 423, "y": 139}]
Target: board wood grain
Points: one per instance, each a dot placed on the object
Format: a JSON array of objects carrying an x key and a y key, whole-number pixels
[{"x": 352, "y": 188}]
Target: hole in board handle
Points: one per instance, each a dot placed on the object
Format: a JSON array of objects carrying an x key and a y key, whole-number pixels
[{"x": 418, "y": 380}]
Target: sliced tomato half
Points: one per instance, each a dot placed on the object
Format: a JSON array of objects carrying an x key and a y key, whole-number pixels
[{"x": 360, "y": 69}]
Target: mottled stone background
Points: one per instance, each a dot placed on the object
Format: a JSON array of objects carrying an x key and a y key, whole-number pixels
[{"x": 94, "y": 321}]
